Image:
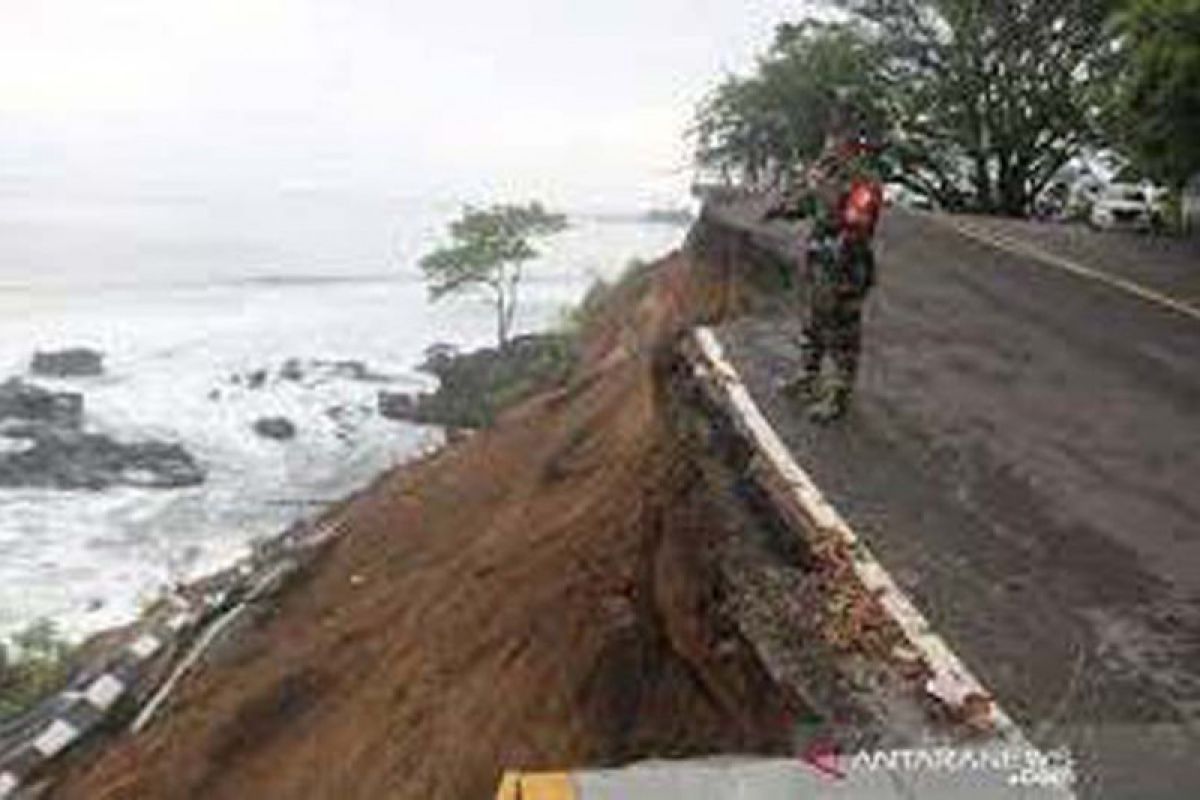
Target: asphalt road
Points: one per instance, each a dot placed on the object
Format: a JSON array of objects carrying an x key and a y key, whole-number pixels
[
  {"x": 1024, "y": 456},
  {"x": 1161, "y": 263}
]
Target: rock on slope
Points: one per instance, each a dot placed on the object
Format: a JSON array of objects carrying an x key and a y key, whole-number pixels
[{"x": 539, "y": 595}]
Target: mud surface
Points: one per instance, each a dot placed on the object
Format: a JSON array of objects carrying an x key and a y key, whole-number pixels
[
  {"x": 563, "y": 590},
  {"x": 1024, "y": 457},
  {"x": 542, "y": 595}
]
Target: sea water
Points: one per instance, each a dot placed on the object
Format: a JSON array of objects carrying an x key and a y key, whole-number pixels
[{"x": 187, "y": 295}]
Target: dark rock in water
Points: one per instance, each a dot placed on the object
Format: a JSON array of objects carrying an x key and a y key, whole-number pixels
[
  {"x": 43, "y": 445},
  {"x": 442, "y": 357},
  {"x": 474, "y": 387},
  {"x": 23, "y": 402},
  {"x": 345, "y": 419},
  {"x": 279, "y": 428},
  {"x": 292, "y": 370},
  {"x": 160, "y": 465},
  {"x": 66, "y": 458},
  {"x": 72, "y": 363},
  {"x": 398, "y": 406},
  {"x": 313, "y": 371},
  {"x": 354, "y": 371}
]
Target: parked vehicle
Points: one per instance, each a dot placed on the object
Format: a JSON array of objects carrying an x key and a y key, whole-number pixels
[
  {"x": 1124, "y": 205},
  {"x": 895, "y": 194}
]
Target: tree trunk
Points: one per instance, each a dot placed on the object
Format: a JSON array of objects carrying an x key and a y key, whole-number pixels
[
  {"x": 506, "y": 302},
  {"x": 501, "y": 322},
  {"x": 1014, "y": 202},
  {"x": 510, "y": 312},
  {"x": 983, "y": 180}
]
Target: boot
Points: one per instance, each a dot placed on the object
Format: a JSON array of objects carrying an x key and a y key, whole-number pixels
[
  {"x": 802, "y": 389},
  {"x": 833, "y": 406}
]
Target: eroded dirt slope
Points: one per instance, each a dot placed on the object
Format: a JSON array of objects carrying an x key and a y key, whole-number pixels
[{"x": 540, "y": 595}]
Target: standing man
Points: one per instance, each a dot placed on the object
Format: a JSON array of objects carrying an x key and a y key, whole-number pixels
[{"x": 842, "y": 194}]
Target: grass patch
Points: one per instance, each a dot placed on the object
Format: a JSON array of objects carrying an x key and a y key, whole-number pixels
[{"x": 32, "y": 665}]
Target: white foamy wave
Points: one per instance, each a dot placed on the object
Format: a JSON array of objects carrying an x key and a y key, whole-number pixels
[{"x": 172, "y": 350}]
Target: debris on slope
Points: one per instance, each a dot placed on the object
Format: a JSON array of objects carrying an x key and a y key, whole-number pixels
[
  {"x": 541, "y": 594},
  {"x": 587, "y": 582}
]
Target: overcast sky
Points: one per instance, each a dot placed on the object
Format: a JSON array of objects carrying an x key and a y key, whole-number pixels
[{"x": 577, "y": 101}]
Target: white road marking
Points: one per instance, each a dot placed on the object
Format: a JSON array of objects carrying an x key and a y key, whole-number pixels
[
  {"x": 55, "y": 738},
  {"x": 145, "y": 646},
  {"x": 104, "y": 691},
  {"x": 179, "y": 621},
  {"x": 1020, "y": 248}
]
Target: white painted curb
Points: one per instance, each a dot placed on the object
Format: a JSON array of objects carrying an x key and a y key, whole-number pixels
[{"x": 952, "y": 682}]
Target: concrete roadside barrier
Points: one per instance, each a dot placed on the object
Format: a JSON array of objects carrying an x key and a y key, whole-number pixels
[
  {"x": 138, "y": 670},
  {"x": 866, "y": 777}
]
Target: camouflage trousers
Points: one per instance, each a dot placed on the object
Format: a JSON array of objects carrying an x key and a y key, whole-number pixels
[
  {"x": 834, "y": 324},
  {"x": 833, "y": 328}
]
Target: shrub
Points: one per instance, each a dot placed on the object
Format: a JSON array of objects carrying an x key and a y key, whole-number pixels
[{"x": 34, "y": 664}]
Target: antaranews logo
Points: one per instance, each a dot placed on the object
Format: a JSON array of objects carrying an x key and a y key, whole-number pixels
[
  {"x": 823, "y": 755},
  {"x": 1019, "y": 767}
]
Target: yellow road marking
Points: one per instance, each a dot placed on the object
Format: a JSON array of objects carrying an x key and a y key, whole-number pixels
[
  {"x": 1032, "y": 251},
  {"x": 536, "y": 786}
]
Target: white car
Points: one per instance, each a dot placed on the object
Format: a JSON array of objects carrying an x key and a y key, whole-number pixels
[{"x": 1123, "y": 205}]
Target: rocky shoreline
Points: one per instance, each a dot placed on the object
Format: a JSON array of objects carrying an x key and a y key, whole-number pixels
[
  {"x": 44, "y": 444},
  {"x": 474, "y": 387}
]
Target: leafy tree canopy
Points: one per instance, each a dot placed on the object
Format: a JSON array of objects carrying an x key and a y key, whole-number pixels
[
  {"x": 1157, "y": 115},
  {"x": 758, "y": 126},
  {"x": 983, "y": 100},
  {"x": 487, "y": 250},
  {"x": 991, "y": 98}
]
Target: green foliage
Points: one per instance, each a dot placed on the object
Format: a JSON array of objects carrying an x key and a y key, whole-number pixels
[
  {"x": 33, "y": 666},
  {"x": 474, "y": 387},
  {"x": 1172, "y": 213},
  {"x": 982, "y": 102},
  {"x": 992, "y": 99},
  {"x": 576, "y": 317},
  {"x": 1157, "y": 113},
  {"x": 759, "y": 126},
  {"x": 487, "y": 250}
]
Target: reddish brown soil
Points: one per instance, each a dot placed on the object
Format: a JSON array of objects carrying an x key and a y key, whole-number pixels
[{"x": 539, "y": 596}]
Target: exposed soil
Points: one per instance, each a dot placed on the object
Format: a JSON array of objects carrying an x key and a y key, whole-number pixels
[{"x": 543, "y": 594}]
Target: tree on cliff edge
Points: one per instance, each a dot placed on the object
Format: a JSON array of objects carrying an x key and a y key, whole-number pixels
[{"x": 487, "y": 252}]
